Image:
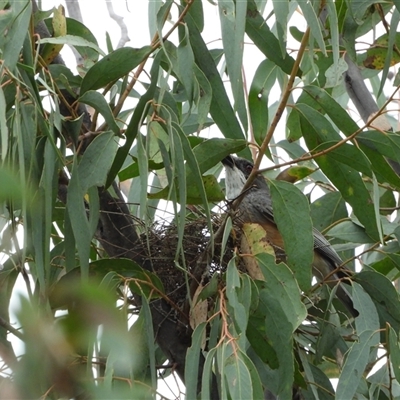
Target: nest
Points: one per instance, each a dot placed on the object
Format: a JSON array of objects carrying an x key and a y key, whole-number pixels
[{"x": 174, "y": 268}]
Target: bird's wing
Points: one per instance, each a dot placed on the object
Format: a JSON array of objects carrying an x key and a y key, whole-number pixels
[
  {"x": 325, "y": 248},
  {"x": 257, "y": 207},
  {"x": 262, "y": 203}
]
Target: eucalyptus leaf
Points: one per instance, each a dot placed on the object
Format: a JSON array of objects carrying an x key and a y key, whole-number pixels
[{"x": 113, "y": 66}]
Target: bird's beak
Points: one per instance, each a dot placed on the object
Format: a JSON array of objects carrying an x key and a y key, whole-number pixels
[{"x": 228, "y": 161}]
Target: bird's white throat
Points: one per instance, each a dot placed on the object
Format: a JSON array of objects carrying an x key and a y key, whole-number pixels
[{"x": 234, "y": 182}]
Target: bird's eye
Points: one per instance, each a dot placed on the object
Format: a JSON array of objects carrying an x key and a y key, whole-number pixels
[{"x": 249, "y": 168}]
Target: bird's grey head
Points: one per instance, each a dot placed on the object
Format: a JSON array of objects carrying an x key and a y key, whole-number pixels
[{"x": 237, "y": 171}]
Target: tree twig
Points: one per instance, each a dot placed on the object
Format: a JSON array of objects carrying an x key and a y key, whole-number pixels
[
  {"x": 120, "y": 21},
  {"x": 6, "y": 325}
]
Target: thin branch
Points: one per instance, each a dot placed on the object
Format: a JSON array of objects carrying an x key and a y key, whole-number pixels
[
  {"x": 120, "y": 21},
  {"x": 6, "y": 325},
  {"x": 278, "y": 115},
  {"x": 305, "y": 157}
]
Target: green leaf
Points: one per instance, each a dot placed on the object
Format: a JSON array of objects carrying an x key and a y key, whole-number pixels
[
  {"x": 210, "y": 151},
  {"x": 388, "y": 144},
  {"x": 10, "y": 188},
  {"x": 154, "y": 8},
  {"x": 181, "y": 60},
  {"x": 328, "y": 209},
  {"x": 350, "y": 232},
  {"x": 360, "y": 10},
  {"x": 335, "y": 73},
  {"x": 178, "y": 164},
  {"x": 185, "y": 68},
  {"x": 282, "y": 13},
  {"x": 387, "y": 200},
  {"x": 221, "y": 109},
  {"x": 203, "y": 100},
  {"x": 233, "y": 20},
  {"x": 64, "y": 77},
  {"x": 79, "y": 222},
  {"x": 200, "y": 186},
  {"x": 353, "y": 190},
  {"x": 367, "y": 319},
  {"x": 349, "y": 155},
  {"x": 263, "y": 81},
  {"x": 292, "y": 216},
  {"x": 13, "y": 29},
  {"x": 256, "y": 386},
  {"x": 333, "y": 109},
  {"x": 295, "y": 173},
  {"x": 59, "y": 28},
  {"x": 260, "y": 343},
  {"x": 282, "y": 286},
  {"x": 71, "y": 40},
  {"x": 259, "y": 32},
  {"x": 134, "y": 124},
  {"x": 394, "y": 353},
  {"x": 162, "y": 15},
  {"x": 324, "y": 131},
  {"x": 397, "y": 5},
  {"x": 113, "y": 66},
  {"x": 294, "y": 126},
  {"x": 143, "y": 162},
  {"x": 99, "y": 103},
  {"x": 233, "y": 285},
  {"x": 385, "y": 296},
  {"x": 384, "y": 172},
  {"x": 8, "y": 277},
  {"x": 148, "y": 322},
  {"x": 197, "y": 13},
  {"x": 132, "y": 170},
  {"x": 142, "y": 282},
  {"x": 318, "y": 383},
  {"x": 238, "y": 378},
  {"x": 280, "y": 304},
  {"x": 315, "y": 128},
  {"x": 355, "y": 364},
  {"x": 192, "y": 361},
  {"x": 97, "y": 160},
  {"x": 207, "y": 375},
  {"x": 314, "y": 23},
  {"x": 212, "y": 189},
  {"x": 283, "y": 311},
  {"x": 76, "y": 28},
  {"x": 91, "y": 171}
]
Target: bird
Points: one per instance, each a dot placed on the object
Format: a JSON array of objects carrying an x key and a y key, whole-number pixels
[{"x": 256, "y": 207}]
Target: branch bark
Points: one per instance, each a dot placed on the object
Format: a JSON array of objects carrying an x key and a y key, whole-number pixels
[{"x": 120, "y": 21}]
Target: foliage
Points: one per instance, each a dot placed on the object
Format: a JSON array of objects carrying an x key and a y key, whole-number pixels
[{"x": 102, "y": 261}]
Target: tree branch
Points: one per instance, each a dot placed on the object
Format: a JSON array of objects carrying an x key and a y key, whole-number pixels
[{"x": 120, "y": 21}]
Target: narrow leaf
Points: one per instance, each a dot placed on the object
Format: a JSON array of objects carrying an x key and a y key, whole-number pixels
[
  {"x": 113, "y": 66},
  {"x": 97, "y": 160},
  {"x": 292, "y": 215},
  {"x": 99, "y": 103},
  {"x": 192, "y": 361},
  {"x": 221, "y": 109},
  {"x": 134, "y": 124},
  {"x": 355, "y": 364},
  {"x": 259, "y": 32}
]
